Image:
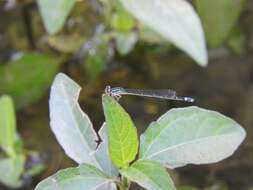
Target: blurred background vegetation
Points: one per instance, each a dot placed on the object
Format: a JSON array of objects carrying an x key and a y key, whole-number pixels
[{"x": 98, "y": 43}]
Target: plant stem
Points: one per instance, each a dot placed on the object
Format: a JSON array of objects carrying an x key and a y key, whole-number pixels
[
  {"x": 120, "y": 186},
  {"x": 123, "y": 184},
  {"x": 124, "y": 181}
]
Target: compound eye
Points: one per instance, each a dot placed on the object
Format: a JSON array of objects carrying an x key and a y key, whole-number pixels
[{"x": 108, "y": 90}]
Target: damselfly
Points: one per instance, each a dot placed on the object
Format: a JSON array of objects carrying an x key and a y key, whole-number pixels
[{"x": 169, "y": 94}]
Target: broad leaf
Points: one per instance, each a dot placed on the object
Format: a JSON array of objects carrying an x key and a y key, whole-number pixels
[
  {"x": 54, "y": 13},
  {"x": 123, "y": 140},
  {"x": 71, "y": 126},
  {"x": 219, "y": 25},
  {"x": 190, "y": 136},
  {"x": 175, "y": 20},
  {"x": 11, "y": 170},
  {"x": 102, "y": 154},
  {"x": 150, "y": 175},
  {"x": 27, "y": 78},
  {"x": 83, "y": 177},
  {"x": 7, "y": 125}
]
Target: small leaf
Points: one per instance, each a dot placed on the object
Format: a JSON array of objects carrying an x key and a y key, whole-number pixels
[
  {"x": 175, "y": 20},
  {"x": 34, "y": 165},
  {"x": 54, "y": 13},
  {"x": 94, "y": 65},
  {"x": 122, "y": 21},
  {"x": 66, "y": 43},
  {"x": 122, "y": 134},
  {"x": 102, "y": 154},
  {"x": 28, "y": 87},
  {"x": 71, "y": 126},
  {"x": 219, "y": 25},
  {"x": 125, "y": 42},
  {"x": 150, "y": 175},
  {"x": 11, "y": 170},
  {"x": 34, "y": 170},
  {"x": 19, "y": 144},
  {"x": 83, "y": 177},
  {"x": 7, "y": 125},
  {"x": 190, "y": 136},
  {"x": 237, "y": 41}
]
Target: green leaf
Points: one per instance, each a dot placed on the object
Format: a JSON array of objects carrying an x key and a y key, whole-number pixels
[
  {"x": 7, "y": 125},
  {"x": 122, "y": 21},
  {"x": 11, "y": 170},
  {"x": 218, "y": 26},
  {"x": 66, "y": 43},
  {"x": 19, "y": 144},
  {"x": 237, "y": 41},
  {"x": 174, "y": 20},
  {"x": 150, "y": 175},
  {"x": 83, "y": 177},
  {"x": 71, "y": 126},
  {"x": 125, "y": 42},
  {"x": 102, "y": 154},
  {"x": 34, "y": 170},
  {"x": 94, "y": 65},
  {"x": 123, "y": 140},
  {"x": 54, "y": 13},
  {"x": 190, "y": 136},
  {"x": 35, "y": 165},
  {"x": 27, "y": 78}
]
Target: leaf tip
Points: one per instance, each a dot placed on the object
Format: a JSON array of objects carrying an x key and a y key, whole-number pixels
[{"x": 6, "y": 98}]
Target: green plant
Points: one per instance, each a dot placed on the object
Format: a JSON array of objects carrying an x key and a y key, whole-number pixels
[
  {"x": 166, "y": 18},
  {"x": 31, "y": 71},
  {"x": 181, "y": 136},
  {"x": 13, "y": 156},
  {"x": 125, "y": 23}
]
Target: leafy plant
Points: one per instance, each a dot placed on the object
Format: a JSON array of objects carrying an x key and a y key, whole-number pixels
[
  {"x": 181, "y": 136},
  {"x": 167, "y": 18},
  {"x": 13, "y": 155},
  {"x": 54, "y": 13},
  {"x": 15, "y": 80},
  {"x": 127, "y": 22}
]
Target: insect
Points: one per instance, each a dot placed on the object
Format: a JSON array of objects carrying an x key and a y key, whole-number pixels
[{"x": 169, "y": 94}]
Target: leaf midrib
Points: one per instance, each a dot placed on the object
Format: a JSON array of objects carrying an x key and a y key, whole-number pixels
[
  {"x": 188, "y": 142},
  {"x": 147, "y": 177},
  {"x": 70, "y": 108}
]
